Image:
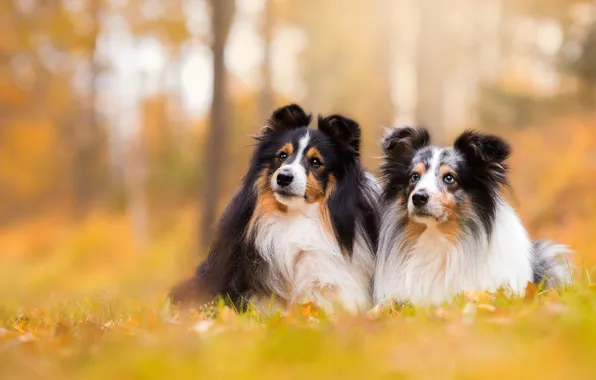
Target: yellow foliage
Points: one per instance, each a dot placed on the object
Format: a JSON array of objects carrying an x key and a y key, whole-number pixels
[
  {"x": 553, "y": 178},
  {"x": 28, "y": 150}
]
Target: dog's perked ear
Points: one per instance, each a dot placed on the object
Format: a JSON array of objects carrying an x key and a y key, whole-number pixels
[
  {"x": 482, "y": 148},
  {"x": 285, "y": 118},
  {"x": 403, "y": 142},
  {"x": 344, "y": 131},
  {"x": 485, "y": 151},
  {"x": 400, "y": 145}
]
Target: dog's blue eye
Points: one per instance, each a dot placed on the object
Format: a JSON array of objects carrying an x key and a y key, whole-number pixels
[
  {"x": 316, "y": 162},
  {"x": 449, "y": 179},
  {"x": 283, "y": 155},
  {"x": 414, "y": 177}
]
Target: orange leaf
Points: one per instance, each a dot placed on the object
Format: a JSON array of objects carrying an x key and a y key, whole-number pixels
[{"x": 531, "y": 290}]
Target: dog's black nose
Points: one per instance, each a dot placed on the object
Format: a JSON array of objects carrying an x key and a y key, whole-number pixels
[
  {"x": 420, "y": 199},
  {"x": 284, "y": 179}
]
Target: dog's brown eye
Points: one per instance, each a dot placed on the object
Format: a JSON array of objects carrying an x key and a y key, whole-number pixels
[
  {"x": 283, "y": 155},
  {"x": 315, "y": 162}
]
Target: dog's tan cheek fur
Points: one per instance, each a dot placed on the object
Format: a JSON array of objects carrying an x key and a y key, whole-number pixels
[
  {"x": 314, "y": 191},
  {"x": 324, "y": 205},
  {"x": 412, "y": 231},
  {"x": 266, "y": 203},
  {"x": 450, "y": 227},
  {"x": 401, "y": 199}
]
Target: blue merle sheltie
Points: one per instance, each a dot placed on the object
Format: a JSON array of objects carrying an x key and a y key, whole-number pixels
[
  {"x": 304, "y": 225},
  {"x": 446, "y": 227}
]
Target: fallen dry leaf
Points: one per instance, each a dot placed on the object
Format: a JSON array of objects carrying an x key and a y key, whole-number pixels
[
  {"x": 486, "y": 307},
  {"x": 531, "y": 291},
  {"x": 477, "y": 296},
  {"x": 309, "y": 310}
]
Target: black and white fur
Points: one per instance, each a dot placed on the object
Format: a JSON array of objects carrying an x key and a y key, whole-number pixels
[
  {"x": 445, "y": 227},
  {"x": 304, "y": 225}
]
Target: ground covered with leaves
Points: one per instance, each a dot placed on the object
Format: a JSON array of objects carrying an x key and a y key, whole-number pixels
[
  {"x": 548, "y": 334},
  {"x": 82, "y": 303}
]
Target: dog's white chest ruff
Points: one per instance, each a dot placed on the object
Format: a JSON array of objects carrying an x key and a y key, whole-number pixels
[
  {"x": 434, "y": 268},
  {"x": 306, "y": 263}
]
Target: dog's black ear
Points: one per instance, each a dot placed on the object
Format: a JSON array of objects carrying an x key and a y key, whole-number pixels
[
  {"x": 485, "y": 152},
  {"x": 343, "y": 130},
  {"x": 403, "y": 142},
  {"x": 481, "y": 148},
  {"x": 285, "y": 118},
  {"x": 400, "y": 145}
]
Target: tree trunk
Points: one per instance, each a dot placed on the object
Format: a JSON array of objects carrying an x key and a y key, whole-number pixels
[
  {"x": 383, "y": 61},
  {"x": 429, "y": 67},
  {"x": 266, "y": 101},
  {"x": 136, "y": 180},
  {"x": 87, "y": 136},
  {"x": 222, "y": 14}
]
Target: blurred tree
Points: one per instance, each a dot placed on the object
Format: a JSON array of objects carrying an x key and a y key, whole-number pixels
[
  {"x": 87, "y": 134},
  {"x": 430, "y": 67},
  {"x": 222, "y": 14},
  {"x": 584, "y": 67},
  {"x": 167, "y": 23},
  {"x": 266, "y": 96},
  {"x": 47, "y": 47},
  {"x": 515, "y": 95},
  {"x": 162, "y": 118},
  {"x": 53, "y": 134},
  {"x": 346, "y": 63}
]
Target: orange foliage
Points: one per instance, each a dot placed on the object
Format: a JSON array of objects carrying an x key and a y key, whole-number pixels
[
  {"x": 11, "y": 95},
  {"x": 554, "y": 178},
  {"x": 28, "y": 149}
]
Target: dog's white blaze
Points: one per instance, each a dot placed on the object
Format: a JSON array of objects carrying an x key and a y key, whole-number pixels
[
  {"x": 436, "y": 268},
  {"x": 307, "y": 264},
  {"x": 295, "y": 167},
  {"x": 302, "y": 144},
  {"x": 428, "y": 181}
]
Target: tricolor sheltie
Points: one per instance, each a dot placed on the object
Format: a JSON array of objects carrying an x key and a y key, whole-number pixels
[
  {"x": 304, "y": 225},
  {"x": 445, "y": 227}
]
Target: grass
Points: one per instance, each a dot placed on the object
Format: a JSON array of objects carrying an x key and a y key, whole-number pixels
[
  {"x": 80, "y": 303},
  {"x": 551, "y": 334}
]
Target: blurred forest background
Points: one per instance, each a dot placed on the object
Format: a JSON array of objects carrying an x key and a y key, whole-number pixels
[{"x": 125, "y": 124}]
